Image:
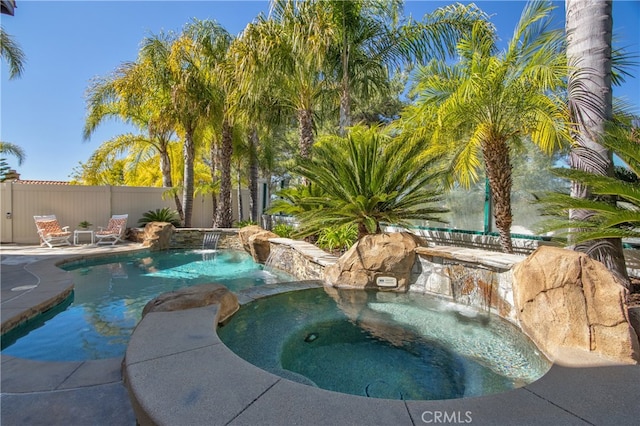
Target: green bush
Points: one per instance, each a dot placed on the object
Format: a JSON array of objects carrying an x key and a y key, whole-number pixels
[
  {"x": 243, "y": 223},
  {"x": 283, "y": 230},
  {"x": 160, "y": 215},
  {"x": 338, "y": 238},
  {"x": 372, "y": 176}
]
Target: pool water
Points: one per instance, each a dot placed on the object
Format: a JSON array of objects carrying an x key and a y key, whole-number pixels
[
  {"x": 383, "y": 345},
  {"x": 110, "y": 293}
]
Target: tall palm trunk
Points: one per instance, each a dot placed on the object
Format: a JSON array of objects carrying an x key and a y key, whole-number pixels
[
  {"x": 225, "y": 217},
  {"x": 239, "y": 192},
  {"x": 188, "y": 152},
  {"x": 496, "y": 157},
  {"x": 345, "y": 93},
  {"x": 213, "y": 159},
  {"x": 305, "y": 123},
  {"x": 167, "y": 181},
  {"x": 253, "y": 174},
  {"x": 589, "y": 27}
]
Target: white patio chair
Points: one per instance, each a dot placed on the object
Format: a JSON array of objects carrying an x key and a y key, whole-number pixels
[
  {"x": 114, "y": 231},
  {"x": 50, "y": 231}
]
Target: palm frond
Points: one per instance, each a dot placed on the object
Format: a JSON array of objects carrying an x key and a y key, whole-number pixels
[
  {"x": 617, "y": 215},
  {"x": 13, "y": 149},
  {"x": 10, "y": 51}
]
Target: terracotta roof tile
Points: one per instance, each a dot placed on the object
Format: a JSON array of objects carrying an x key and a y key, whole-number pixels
[{"x": 42, "y": 182}]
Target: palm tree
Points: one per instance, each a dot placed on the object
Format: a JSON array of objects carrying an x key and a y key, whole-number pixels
[
  {"x": 291, "y": 50},
  {"x": 252, "y": 154},
  {"x": 188, "y": 103},
  {"x": 606, "y": 220},
  {"x": 480, "y": 108},
  {"x": 355, "y": 55},
  {"x": 370, "y": 39},
  {"x": 253, "y": 101},
  {"x": 224, "y": 218},
  {"x": 12, "y": 53},
  {"x": 589, "y": 30},
  {"x": 212, "y": 43},
  {"x": 365, "y": 179},
  {"x": 137, "y": 94},
  {"x": 196, "y": 95}
]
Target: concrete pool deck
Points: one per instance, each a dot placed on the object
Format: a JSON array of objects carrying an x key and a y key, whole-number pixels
[
  {"x": 54, "y": 393},
  {"x": 167, "y": 372}
]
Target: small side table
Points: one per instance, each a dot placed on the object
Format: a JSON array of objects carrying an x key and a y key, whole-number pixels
[{"x": 77, "y": 233}]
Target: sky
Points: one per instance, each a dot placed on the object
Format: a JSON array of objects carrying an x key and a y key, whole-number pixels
[{"x": 67, "y": 43}]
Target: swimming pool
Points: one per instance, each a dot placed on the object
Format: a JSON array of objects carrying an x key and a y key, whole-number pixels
[
  {"x": 383, "y": 345},
  {"x": 110, "y": 293}
]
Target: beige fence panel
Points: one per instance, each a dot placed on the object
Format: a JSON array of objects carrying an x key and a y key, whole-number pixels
[
  {"x": 135, "y": 201},
  {"x": 70, "y": 204},
  {"x": 75, "y": 203},
  {"x": 6, "y": 207}
]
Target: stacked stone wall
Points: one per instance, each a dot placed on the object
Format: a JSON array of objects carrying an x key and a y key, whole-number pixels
[
  {"x": 298, "y": 258},
  {"x": 192, "y": 238}
]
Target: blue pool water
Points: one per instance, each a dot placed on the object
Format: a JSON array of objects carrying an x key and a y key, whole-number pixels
[
  {"x": 383, "y": 345},
  {"x": 110, "y": 293}
]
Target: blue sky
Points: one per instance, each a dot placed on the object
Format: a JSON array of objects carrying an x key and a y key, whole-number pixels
[{"x": 67, "y": 43}]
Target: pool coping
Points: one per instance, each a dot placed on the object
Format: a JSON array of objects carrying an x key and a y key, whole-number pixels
[
  {"x": 235, "y": 392},
  {"x": 204, "y": 382}
]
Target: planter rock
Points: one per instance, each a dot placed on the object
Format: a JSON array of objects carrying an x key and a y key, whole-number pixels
[
  {"x": 381, "y": 255},
  {"x": 567, "y": 301},
  {"x": 255, "y": 240},
  {"x": 157, "y": 236}
]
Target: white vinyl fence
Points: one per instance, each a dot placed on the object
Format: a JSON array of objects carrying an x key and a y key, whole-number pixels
[{"x": 73, "y": 204}]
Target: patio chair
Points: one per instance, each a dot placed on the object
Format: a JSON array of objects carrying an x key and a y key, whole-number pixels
[
  {"x": 50, "y": 231},
  {"x": 114, "y": 231}
]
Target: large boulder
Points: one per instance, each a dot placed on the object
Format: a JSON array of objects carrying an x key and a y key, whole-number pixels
[
  {"x": 567, "y": 301},
  {"x": 246, "y": 232},
  {"x": 373, "y": 256},
  {"x": 194, "y": 297},
  {"x": 157, "y": 236},
  {"x": 255, "y": 240}
]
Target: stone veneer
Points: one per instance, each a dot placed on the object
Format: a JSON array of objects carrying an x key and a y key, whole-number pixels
[
  {"x": 299, "y": 258},
  {"x": 472, "y": 277},
  {"x": 192, "y": 238},
  {"x": 185, "y": 238}
]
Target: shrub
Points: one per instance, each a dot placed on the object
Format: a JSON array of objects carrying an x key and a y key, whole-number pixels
[
  {"x": 283, "y": 230},
  {"x": 243, "y": 223},
  {"x": 338, "y": 238},
  {"x": 160, "y": 215},
  {"x": 370, "y": 177}
]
